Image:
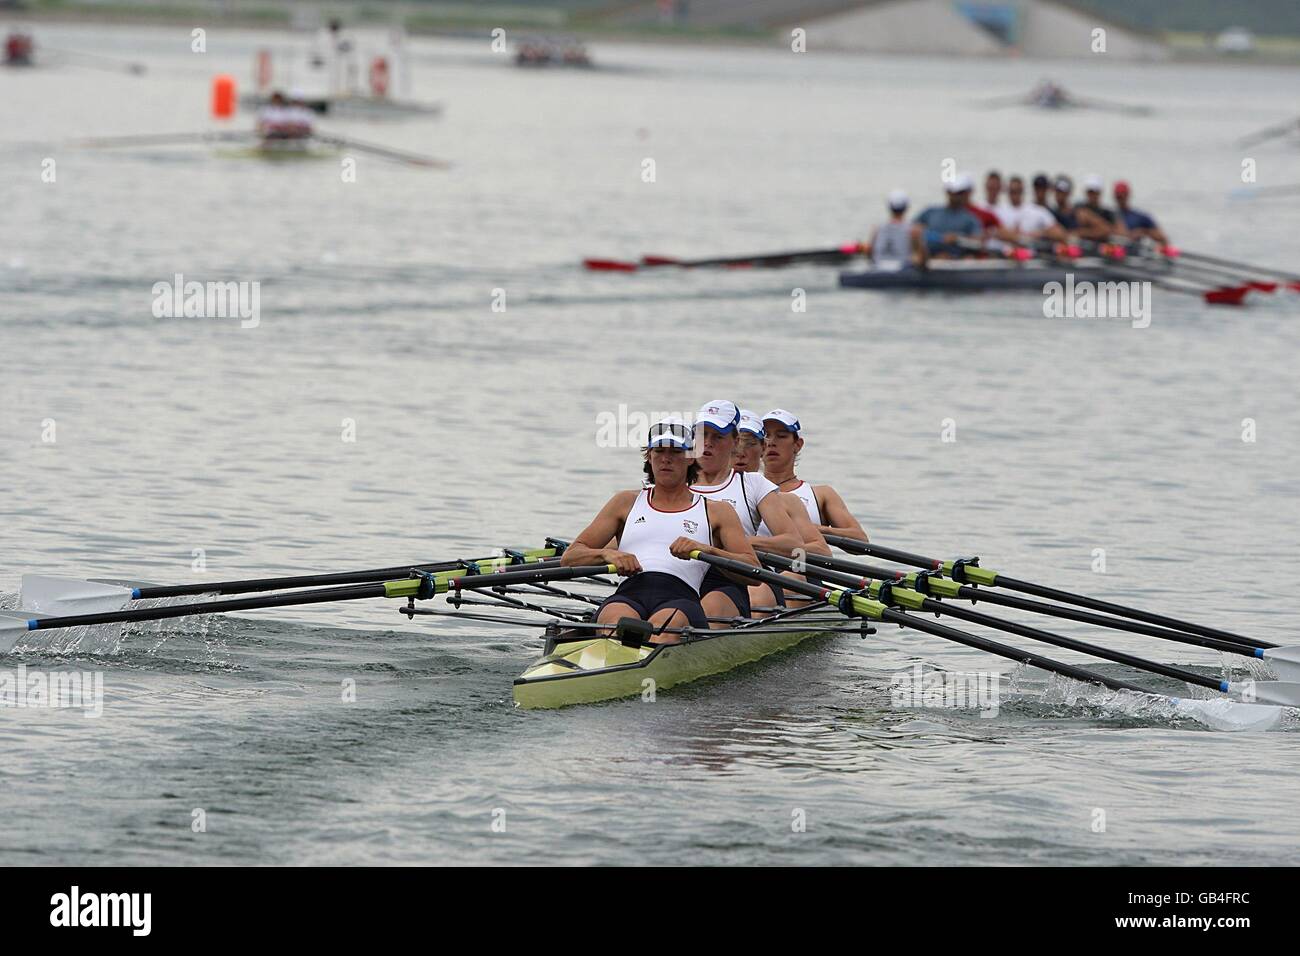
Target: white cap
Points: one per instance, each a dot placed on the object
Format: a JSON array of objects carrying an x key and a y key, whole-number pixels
[
  {"x": 719, "y": 414},
  {"x": 669, "y": 433},
  {"x": 785, "y": 418},
  {"x": 750, "y": 422},
  {"x": 898, "y": 200},
  {"x": 961, "y": 183},
  {"x": 1093, "y": 184}
]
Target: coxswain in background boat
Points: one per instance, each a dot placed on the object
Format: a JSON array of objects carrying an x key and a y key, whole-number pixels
[
  {"x": 1138, "y": 223},
  {"x": 896, "y": 243},
  {"x": 656, "y": 528},
  {"x": 1025, "y": 222},
  {"x": 757, "y": 502},
  {"x": 825, "y": 507},
  {"x": 1096, "y": 222},
  {"x": 281, "y": 119},
  {"x": 946, "y": 227}
]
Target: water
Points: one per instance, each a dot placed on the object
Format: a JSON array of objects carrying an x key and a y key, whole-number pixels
[{"x": 180, "y": 440}]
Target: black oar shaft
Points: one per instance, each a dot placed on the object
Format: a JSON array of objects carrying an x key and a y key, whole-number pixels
[
  {"x": 930, "y": 627},
  {"x": 990, "y": 596},
  {"x": 1022, "y": 630},
  {"x": 306, "y": 580},
  {"x": 1052, "y": 594},
  {"x": 212, "y": 607}
]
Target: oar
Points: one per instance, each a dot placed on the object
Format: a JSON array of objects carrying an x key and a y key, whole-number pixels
[
  {"x": 384, "y": 152},
  {"x": 47, "y": 594},
  {"x": 1285, "y": 660},
  {"x": 101, "y": 62},
  {"x": 1281, "y": 693},
  {"x": 1244, "y": 266},
  {"x": 1260, "y": 192},
  {"x": 14, "y": 624},
  {"x": 1243, "y": 716},
  {"x": 165, "y": 139},
  {"x": 610, "y": 265},
  {"x": 839, "y": 254},
  {"x": 1130, "y": 261},
  {"x": 1110, "y": 105},
  {"x": 773, "y": 260},
  {"x": 1269, "y": 132},
  {"x": 968, "y": 571}
]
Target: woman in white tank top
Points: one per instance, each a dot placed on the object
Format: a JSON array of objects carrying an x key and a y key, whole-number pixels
[
  {"x": 781, "y": 447},
  {"x": 656, "y": 529}
]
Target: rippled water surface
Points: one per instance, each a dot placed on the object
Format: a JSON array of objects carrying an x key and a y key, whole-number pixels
[{"x": 476, "y": 429}]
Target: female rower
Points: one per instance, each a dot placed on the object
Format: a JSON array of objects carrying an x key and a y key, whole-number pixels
[
  {"x": 755, "y": 500},
  {"x": 656, "y": 528},
  {"x": 748, "y": 457},
  {"x": 781, "y": 447}
]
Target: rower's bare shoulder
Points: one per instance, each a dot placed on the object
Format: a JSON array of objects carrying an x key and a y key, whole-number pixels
[{"x": 623, "y": 500}]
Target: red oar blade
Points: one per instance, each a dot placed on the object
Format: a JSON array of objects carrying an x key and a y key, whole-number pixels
[
  {"x": 660, "y": 261},
  {"x": 609, "y": 265},
  {"x": 1262, "y": 286},
  {"x": 1227, "y": 296}
]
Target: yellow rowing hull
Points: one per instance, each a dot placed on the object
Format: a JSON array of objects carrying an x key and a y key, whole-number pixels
[{"x": 587, "y": 671}]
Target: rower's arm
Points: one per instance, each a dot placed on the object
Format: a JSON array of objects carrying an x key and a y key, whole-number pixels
[
  {"x": 837, "y": 513},
  {"x": 735, "y": 543},
  {"x": 813, "y": 542},
  {"x": 590, "y": 547},
  {"x": 785, "y": 538}
]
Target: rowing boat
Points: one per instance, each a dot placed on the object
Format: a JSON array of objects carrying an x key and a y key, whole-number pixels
[
  {"x": 969, "y": 275},
  {"x": 578, "y": 669},
  {"x": 582, "y": 663},
  {"x": 281, "y": 150}
]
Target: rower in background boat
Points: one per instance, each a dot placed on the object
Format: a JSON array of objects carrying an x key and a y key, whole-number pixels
[
  {"x": 1024, "y": 222},
  {"x": 1138, "y": 224},
  {"x": 986, "y": 212},
  {"x": 656, "y": 529},
  {"x": 825, "y": 507},
  {"x": 757, "y": 502},
  {"x": 896, "y": 243},
  {"x": 1042, "y": 187},
  {"x": 944, "y": 227},
  {"x": 1096, "y": 222},
  {"x": 281, "y": 119}
]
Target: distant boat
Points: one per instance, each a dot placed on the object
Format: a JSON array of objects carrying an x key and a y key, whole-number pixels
[
  {"x": 550, "y": 51},
  {"x": 1049, "y": 95}
]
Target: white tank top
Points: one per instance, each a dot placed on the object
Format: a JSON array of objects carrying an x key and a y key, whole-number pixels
[
  {"x": 648, "y": 532},
  {"x": 743, "y": 491},
  {"x": 804, "y": 492}
]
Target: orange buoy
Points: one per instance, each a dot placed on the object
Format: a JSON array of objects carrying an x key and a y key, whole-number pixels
[{"x": 223, "y": 96}]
